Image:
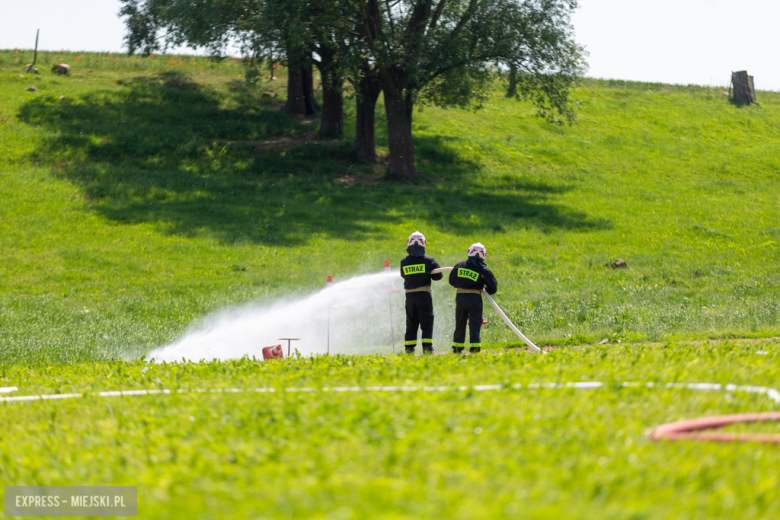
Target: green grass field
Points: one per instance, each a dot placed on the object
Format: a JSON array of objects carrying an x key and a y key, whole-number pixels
[
  {"x": 135, "y": 203},
  {"x": 510, "y": 453}
]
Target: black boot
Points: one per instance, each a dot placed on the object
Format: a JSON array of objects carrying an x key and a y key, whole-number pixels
[
  {"x": 427, "y": 350},
  {"x": 474, "y": 350},
  {"x": 457, "y": 350},
  {"x": 410, "y": 350}
]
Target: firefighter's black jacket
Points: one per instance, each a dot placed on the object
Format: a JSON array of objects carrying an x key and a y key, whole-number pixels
[
  {"x": 473, "y": 274},
  {"x": 416, "y": 268}
]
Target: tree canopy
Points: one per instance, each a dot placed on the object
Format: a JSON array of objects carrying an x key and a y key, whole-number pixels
[{"x": 443, "y": 52}]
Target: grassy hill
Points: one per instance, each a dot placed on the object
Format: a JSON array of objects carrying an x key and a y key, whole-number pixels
[
  {"x": 137, "y": 196},
  {"x": 141, "y": 194}
]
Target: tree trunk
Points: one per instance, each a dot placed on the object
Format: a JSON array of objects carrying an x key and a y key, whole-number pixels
[
  {"x": 308, "y": 89},
  {"x": 511, "y": 91},
  {"x": 369, "y": 89},
  {"x": 399, "y": 135},
  {"x": 296, "y": 101},
  {"x": 300, "y": 89},
  {"x": 332, "y": 124}
]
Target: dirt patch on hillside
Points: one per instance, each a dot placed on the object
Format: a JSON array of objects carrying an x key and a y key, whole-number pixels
[
  {"x": 351, "y": 180},
  {"x": 283, "y": 143}
]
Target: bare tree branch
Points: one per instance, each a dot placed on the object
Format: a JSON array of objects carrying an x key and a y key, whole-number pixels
[
  {"x": 390, "y": 18},
  {"x": 414, "y": 35},
  {"x": 436, "y": 15},
  {"x": 381, "y": 65},
  {"x": 466, "y": 18}
]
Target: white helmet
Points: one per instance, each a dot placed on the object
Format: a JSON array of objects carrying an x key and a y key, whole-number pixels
[
  {"x": 416, "y": 239},
  {"x": 478, "y": 250}
]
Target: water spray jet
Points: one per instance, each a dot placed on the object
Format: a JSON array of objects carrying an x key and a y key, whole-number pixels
[
  {"x": 331, "y": 305},
  {"x": 355, "y": 316},
  {"x": 353, "y": 322},
  {"x": 391, "y": 290}
]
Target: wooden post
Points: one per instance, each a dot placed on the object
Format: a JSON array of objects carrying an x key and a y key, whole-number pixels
[
  {"x": 35, "y": 56},
  {"x": 32, "y": 68},
  {"x": 744, "y": 91}
]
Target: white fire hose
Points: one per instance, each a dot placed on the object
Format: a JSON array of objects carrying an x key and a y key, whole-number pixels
[{"x": 499, "y": 311}]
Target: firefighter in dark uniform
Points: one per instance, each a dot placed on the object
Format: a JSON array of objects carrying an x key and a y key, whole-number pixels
[
  {"x": 416, "y": 271},
  {"x": 469, "y": 278}
]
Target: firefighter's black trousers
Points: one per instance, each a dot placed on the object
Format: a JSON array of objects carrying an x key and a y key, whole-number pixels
[
  {"x": 468, "y": 307},
  {"x": 419, "y": 313}
]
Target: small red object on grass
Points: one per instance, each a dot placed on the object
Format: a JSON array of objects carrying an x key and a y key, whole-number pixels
[{"x": 274, "y": 352}]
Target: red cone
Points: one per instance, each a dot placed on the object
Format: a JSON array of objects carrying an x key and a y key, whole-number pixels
[{"x": 274, "y": 352}]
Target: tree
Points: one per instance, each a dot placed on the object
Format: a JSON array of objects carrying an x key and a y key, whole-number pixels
[
  {"x": 368, "y": 86},
  {"x": 318, "y": 29},
  {"x": 213, "y": 25},
  {"x": 445, "y": 52},
  {"x": 302, "y": 32},
  {"x": 300, "y": 86},
  {"x": 328, "y": 28}
]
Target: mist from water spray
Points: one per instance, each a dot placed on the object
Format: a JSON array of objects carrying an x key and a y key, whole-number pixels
[{"x": 359, "y": 310}]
